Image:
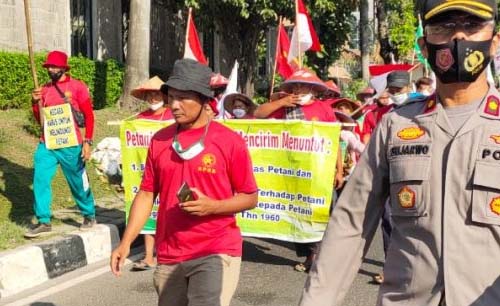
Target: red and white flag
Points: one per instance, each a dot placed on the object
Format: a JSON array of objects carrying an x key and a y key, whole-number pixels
[
  {"x": 378, "y": 73},
  {"x": 192, "y": 47},
  {"x": 283, "y": 45},
  {"x": 304, "y": 36}
]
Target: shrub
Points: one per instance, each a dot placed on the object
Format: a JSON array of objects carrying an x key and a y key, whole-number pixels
[{"x": 104, "y": 79}]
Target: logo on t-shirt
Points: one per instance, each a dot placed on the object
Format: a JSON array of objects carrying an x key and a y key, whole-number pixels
[{"x": 208, "y": 162}]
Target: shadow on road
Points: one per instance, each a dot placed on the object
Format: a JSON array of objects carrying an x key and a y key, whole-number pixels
[
  {"x": 260, "y": 254},
  {"x": 373, "y": 262}
]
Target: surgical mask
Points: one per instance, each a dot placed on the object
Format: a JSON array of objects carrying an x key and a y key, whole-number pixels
[
  {"x": 459, "y": 60},
  {"x": 426, "y": 93},
  {"x": 193, "y": 150},
  {"x": 305, "y": 99},
  {"x": 55, "y": 76},
  {"x": 239, "y": 113},
  {"x": 156, "y": 106},
  {"x": 399, "y": 99}
]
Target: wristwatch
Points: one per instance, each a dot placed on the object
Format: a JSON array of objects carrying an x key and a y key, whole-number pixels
[{"x": 89, "y": 141}]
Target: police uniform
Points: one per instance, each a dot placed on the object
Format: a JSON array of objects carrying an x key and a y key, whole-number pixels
[{"x": 444, "y": 189}]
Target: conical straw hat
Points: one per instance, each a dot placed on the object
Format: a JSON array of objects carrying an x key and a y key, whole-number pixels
[{"x": 153, "y": 84}]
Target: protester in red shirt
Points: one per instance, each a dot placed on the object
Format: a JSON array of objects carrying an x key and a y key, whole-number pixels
[
  {"x": 204, "y": 174},
  {"x": 298, "y": 100},
  {"x": 150, "y": 93},
  {"x": 157, "y": 110},
  {"x": 65, "y": 101}
]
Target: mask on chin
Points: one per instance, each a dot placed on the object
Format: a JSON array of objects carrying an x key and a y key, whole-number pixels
[
  {"x": 459, "y": 60},
  {"x": 55, "y": 76},
  {"x": 193, "y": 150}
]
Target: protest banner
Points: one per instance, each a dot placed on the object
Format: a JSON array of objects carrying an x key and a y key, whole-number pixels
[{"x": 294, "y": 165}]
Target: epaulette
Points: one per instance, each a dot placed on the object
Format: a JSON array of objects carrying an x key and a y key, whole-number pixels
[{"x": 492, "y": 106}]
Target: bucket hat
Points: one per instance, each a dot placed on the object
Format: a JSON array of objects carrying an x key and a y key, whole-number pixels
[
  {"x": 189, "y": 75},
  {"x": 57, "y": 59}
]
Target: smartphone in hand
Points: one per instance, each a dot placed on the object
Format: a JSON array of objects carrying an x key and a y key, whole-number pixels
[{"x": 184, "y": 194}]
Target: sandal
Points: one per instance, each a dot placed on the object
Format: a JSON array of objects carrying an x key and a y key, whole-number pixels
[
  {"x": 142, "y": 266},
  {"x": 302, "y": 267},
  {"x": 379, "y": 278}
]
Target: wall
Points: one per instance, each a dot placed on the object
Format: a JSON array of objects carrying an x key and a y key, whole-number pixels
[{"x": 49, "y": 22}]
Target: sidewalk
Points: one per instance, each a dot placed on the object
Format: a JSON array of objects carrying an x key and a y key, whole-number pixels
[{"x": 65, "y": 250}]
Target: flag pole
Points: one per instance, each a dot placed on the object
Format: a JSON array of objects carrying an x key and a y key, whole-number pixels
[
  {"x": 29, "y": 36},
  {"x": 187, "y": 28},
  {"x": 278, "y": 37},
  {"x": 298, "y": 31},
  {"x": 414, "y": 53},
  {"x": 27, "y": 14}
]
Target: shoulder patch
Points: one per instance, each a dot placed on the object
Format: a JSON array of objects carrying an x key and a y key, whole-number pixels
[{"x": 491, "y": 106}]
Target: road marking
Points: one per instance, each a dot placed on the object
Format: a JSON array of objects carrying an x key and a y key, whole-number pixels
[{"x": 70, "y": 283}]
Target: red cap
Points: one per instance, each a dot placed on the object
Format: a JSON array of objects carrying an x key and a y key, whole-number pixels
[
  {"x": 57, "y": 59},
  {"x": 218, "y": 80}
]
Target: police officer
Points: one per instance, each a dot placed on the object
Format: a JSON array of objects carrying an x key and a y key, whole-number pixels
[{"x": 439, "y": 162}]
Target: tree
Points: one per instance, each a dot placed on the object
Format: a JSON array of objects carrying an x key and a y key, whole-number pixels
[
  {"x": 137, "y": 58},
  {"x": 402, "y": 27},
  {"x": 242, "y": 26},
  {"x": 386, "y": 48},
  {"x": 364, "y": 38}
]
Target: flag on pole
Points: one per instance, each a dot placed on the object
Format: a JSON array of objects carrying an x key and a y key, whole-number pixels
[
  {"x": 416, "y": 48},
  {"x": 192, "y": 46},
  {"x": 232, "y": 87},
  {"x": 304, "y": 36},
  {"x": 378, "y": 74},
  {"x": 282, "y": 65}
]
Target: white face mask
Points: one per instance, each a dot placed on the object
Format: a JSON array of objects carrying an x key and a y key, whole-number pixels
[
  {"x": 239, "y": 113},
  {"x": 426, "y": 93},
  {"x": 156, "y": 106},
  {"x": 399, "y": 99},
  {"x": 305, "y": 99},
  {"x": 193, "y": 150}
]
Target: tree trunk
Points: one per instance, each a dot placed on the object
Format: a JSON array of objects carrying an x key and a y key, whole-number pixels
[
  {"x": 364, "y": 38},
  {"x": 236, "y": 47},
  {"x": 138, "y": 44},
  {"x": 383, "y": 32}
]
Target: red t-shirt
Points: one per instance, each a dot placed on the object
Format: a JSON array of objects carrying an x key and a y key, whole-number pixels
[
  {"x": 221, "y": 170},
  {"x": 149, "y": 114},
  {"x": 373, "y": 117},
  {"x": 79, "y": 96},
  {"x": 314, "y": 111}
]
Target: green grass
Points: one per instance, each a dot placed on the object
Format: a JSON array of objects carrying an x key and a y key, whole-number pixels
[{"x": 16, "y": 173}]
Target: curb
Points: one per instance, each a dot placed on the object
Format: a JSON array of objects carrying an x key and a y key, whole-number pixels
[{"x": 28, "y": 266}]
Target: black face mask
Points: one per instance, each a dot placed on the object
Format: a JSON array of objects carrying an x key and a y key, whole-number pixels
[
  {"x": 55, "y": 76},
  {"x": 459, "y": 60}
]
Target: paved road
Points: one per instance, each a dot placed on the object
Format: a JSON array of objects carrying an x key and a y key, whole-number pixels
[{"x": 267, "y": 278}]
